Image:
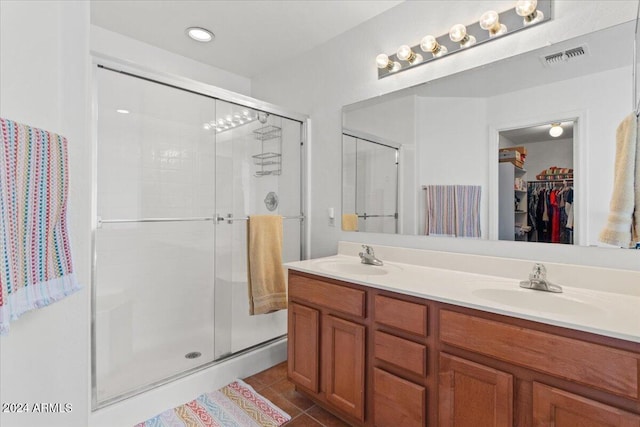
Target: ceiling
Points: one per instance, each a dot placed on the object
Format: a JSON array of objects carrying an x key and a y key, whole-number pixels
[{"x": 250, "y": 35}]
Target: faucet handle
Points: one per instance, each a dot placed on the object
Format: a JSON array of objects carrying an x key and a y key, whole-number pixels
[
  {"x": 539, "y": 272},
  {"x": 368, "y": 249}
]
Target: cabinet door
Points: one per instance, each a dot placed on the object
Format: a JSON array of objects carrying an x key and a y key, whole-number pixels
[
  {"x": 303, "y": 342},
  {"x": 343, "y": 365},
  {"x": 473, "y": 395},
  {"x": 554, "y": 407},
  {"x": 397, "y": 402}
]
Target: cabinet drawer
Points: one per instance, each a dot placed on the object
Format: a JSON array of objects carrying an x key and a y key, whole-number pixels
[
  {"x": 400, "y": 352},
  {"x": 334, "y": 297},
  {"x": 594, "y": 365},
  {"x": 397, "y": 402},
  {"x": 402, "y": 315}
]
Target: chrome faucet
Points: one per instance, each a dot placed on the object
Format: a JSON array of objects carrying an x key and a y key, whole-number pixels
[
  {"x": 538, "y": 280},
  {"x": 368, "y": 257}
]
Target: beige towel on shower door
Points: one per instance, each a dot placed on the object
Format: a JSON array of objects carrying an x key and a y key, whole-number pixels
[
  {"x": 267, "y": 286},
  {"x": 623, "y": 228}
]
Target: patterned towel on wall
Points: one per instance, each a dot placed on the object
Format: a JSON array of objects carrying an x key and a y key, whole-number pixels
[
  {"x": 235, "y": 405},
  {"x": 34, "y": 245},
  {"x": 441, "y": 210},
  {"x": 468, "y": 210},
  {"x": 452, "y": 210}
]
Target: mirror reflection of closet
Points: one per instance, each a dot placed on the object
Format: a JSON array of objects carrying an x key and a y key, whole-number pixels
[
  {"x": 536, "y": 183},
  {"x": 370, "y": 190}
]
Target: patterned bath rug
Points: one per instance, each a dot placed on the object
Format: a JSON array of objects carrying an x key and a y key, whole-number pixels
[{"x": 234, "y": 405}]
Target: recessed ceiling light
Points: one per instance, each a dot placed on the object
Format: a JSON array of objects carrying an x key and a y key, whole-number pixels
[
  {"x": 121, "y": 111},
  {"x": 555, "y": 130},
  {"x": 200, "y": 34}
]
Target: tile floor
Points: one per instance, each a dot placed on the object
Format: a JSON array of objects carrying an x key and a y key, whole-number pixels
[{"x": 274, "y": 385}]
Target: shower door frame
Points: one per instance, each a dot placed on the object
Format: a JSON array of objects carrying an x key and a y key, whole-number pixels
[{"x": 215, "y": 93}]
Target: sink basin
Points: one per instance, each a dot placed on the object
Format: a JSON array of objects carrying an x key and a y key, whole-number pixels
[
  {"x": 538, "y": 301},
  {"x": 353, "y": 267}
]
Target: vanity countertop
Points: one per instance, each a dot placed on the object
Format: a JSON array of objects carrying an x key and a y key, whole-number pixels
[{"x": 610, "y": 314}]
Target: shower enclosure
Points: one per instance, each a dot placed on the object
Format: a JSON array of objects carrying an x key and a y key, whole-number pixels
[
  {"x": 177, "y": 174},
  {"x": 370, "y": 183}
]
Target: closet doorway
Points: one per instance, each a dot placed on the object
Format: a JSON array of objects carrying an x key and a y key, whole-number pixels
[{"x": 536, "y": 193}]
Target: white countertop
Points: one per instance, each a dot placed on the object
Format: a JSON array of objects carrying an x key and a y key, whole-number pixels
[{"x": 611, "y": 314}]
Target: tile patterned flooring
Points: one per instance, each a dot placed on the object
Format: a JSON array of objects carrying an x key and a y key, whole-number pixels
[{"x": 274, "y": 385}]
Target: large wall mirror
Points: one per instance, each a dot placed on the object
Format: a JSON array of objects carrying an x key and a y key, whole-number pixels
[{"x": 477, "y": 156}]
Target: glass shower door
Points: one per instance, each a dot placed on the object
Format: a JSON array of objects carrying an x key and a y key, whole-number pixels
[
  {"x": 258, "y": 171},
  {"x": 154, "y": 243}
]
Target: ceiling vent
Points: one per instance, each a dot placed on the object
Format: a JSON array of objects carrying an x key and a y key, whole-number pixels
[{"x": 565, "y": 56}]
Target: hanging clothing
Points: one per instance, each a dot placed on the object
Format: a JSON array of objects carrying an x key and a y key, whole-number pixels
[{"x": 550, "y": 212}]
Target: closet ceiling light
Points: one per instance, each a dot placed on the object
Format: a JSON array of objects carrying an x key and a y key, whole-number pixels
[
  {"x": 528, "y": 10},
  {"x": 199, "y": 34},
  {"x": 556, "y": 130}
]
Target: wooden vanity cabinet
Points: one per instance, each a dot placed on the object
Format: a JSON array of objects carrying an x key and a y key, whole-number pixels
[
  {"x": 378, "y": 358},
  {"x": 400, "y": 356},
  {"x": 326, "y": 348}
]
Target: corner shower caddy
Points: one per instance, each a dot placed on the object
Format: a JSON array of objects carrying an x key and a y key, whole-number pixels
[{"x": 268, "y": 162}]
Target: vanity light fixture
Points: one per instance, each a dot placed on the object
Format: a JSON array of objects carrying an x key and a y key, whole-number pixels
[
  {"x": 458, "y": 34},
  {"x": 405, "y": 53},
  {"x": 230, "y": 121},
  {"x": 490, "y": 21},
  {"x": 383, "y": 62},
  {"x": 521, "y": 15},
  {"x": 556, "y": 130},
  {"x": 199, "y": 34},
  {"x": 430, "y": 44},
  {"x": 528, "y": 10}
]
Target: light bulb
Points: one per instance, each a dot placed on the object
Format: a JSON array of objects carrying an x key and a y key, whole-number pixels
[
  {"x": 229, "y": 118},
  {"x": 490, "y": 21},
  {"x": 527, "y": 9},
  {"x": 406, "y": 54},
  {"x": 458, "y": 34},
  {"x": 430, "y": 44},
  {"x": 221, "y": 122},
  {"x": 383, "y": 62},
  {"x": 200, "y": 34},
  {"x": 206, "y": 126},
  {"x": 556, "y": 130}
]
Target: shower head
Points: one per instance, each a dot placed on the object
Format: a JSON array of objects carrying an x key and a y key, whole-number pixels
[{"x": 262, "y": 117}]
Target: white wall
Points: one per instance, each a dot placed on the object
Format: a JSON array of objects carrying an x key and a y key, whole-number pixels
[
  {"x": 107, "y": 44},
  {"x": 452, "y": 148},
  {"x": 324, "y": 79},
  {"x": 44, "y": 78}
]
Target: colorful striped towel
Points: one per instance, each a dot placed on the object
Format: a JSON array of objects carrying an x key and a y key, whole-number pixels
[
  {"x": 235, "y": 405},
  {"x": 468, "y": 210},
  {"x": 441, "y": 210},
  {"x": 452, "y": 210},
  {"x": 34, "y": 244}
]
